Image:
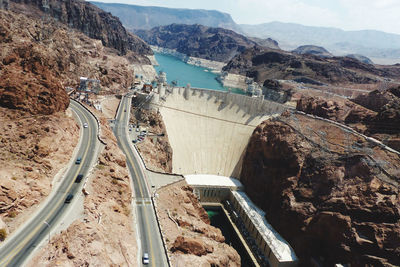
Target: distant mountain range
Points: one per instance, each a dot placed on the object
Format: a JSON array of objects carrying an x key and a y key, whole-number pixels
[
  {"x": 374, "y": 44},
  {"x": 147, "y": 17},
  {"x": 381, "y": 47},
  {"x": 211, "y": 43}
]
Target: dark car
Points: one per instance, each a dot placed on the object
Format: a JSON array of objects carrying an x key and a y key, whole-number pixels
[
  {"x": 69, "y": 198},
  {"x": 78, "y": 160},
  {"x": 79, "y": 178}
]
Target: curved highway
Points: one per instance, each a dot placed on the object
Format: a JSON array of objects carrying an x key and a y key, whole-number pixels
[
  {"x": 18, "y": 247},
  {"x": 150, "y": 238}
]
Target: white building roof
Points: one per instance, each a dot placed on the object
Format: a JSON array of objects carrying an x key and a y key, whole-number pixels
[
  {"x": 281, "y": 249},
  {"x": 213, "y": 181}
]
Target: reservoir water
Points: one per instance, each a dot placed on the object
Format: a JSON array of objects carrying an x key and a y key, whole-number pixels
[
  {"x": 184, "y": 73},
  {"x": 218, "y": 219}
]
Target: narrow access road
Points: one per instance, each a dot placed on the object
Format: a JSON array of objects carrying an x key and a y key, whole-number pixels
[
  {"x": 18, "y": 247},
  {"x": 149, "y": 235}
]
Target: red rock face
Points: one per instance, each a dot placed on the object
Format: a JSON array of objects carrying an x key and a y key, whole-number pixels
[
  {"x": 29, "y": 84},
  {"x": 331, "y": 194},
  {"x": 376, "y": 114}
]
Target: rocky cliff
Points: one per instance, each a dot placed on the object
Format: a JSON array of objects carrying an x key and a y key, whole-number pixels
[
  {"x": 376, "y": 114},
  {"x": 39, "y": 61},
  {"x": 330, "y": 193},
  {"x": 190, "y": 239},
  {"x": 90, "y": 20},
  {"x": 262, "y": 64},
  {"x": 199, "y": 41}
]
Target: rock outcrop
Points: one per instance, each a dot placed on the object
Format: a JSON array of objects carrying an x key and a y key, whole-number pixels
[
  {"x": 156, "y": 151},
  {"x": 39, "y": 61},
  {"x": 199, "y": 41},
  {"x": 190, "y": 238},
  {"x": 376, "y": 114},
  {"x": 90, "y": 20},
  {"x": 361, "y": 58},
  {"x": 318, "y": 51},
  {"x": 262, "y": 64},
  {"x": 28, "y": 82},
  {"x": 333, "y": 195}
]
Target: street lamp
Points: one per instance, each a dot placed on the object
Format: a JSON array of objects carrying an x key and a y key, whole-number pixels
[{"x": 48, "y": 225}]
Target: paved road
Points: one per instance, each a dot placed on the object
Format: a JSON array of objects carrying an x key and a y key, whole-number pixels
[
  {"x": 149, "y": 234},
  {"x": 15, "y": 251}
]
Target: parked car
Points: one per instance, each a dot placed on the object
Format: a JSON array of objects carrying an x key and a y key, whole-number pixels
[
  {"x": 134, "y": 141},
  {"x": 145, "y": 258},
  {"x": 79, "y": 178},
  {"x": 69, "y": 198}
]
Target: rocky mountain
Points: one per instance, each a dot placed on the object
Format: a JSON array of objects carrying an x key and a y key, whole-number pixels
[
  {"x": 312, "y": 50},
  {"x": 89, "y": 19},
  {"x": 262, "y": 64},
  {"x": 216, "y": 44},
  {"x": 331, "y": 193},
  {"x": 361, "y": 58},
  {"x": 270, "y": 43},
  {"x": 375, "y": 44},
  {"x": 148, "y": 17}
]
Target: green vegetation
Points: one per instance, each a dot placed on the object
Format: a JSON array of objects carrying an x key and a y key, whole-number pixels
[{"x": 3, "y": 234}]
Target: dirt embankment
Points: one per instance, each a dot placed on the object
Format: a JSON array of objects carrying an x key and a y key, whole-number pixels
[
  {"x": 105, "y": 235},
  {"x": 33, "y": 149},
  {"x": 333, "y": 195},
  {"x": 156, "y": 150},
  {"x": 190, "y": 238}
]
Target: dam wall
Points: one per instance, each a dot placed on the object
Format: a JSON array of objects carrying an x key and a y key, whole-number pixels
[{"x": 209, "y": 130}]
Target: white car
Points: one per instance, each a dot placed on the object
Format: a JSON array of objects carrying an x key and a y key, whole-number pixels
[
  {"x": 146, "y": 259},
  {"x": 85, "y": 125}
]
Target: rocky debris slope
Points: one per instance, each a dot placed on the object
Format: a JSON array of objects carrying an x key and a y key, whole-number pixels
[
  {"x": 105, "y": 235},
  {"x": 263, "y": 64},
  {"x": 156, "y": 152},
  {"x": 39, "y": 60},
  {"x": 199, "y": 41},
  {"x": 330, "y": 193},
  {"x": 90, "y": 20},
  {"x": 375, "y": 114},
  {"x": 190, "y": 238},
  {"x": 30, "y": 157}
]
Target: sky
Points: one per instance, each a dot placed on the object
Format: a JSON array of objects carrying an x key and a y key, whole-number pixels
[{"x": 380, "y": 15}]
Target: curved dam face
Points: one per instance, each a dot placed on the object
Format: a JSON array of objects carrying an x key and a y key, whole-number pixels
[{"x": 209, "y": 130}]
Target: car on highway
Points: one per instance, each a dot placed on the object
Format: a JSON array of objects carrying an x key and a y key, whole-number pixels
[
  {"x": 145, "y": 258},
  {"x": 85, "y": 125},
  {"x": 69, "y": 198},
  {"x": 79, "y": 178},
  {"x": 78, "y": 160}
]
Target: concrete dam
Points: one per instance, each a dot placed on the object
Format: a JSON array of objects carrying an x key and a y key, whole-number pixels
[{"x": 209, "y": 130}]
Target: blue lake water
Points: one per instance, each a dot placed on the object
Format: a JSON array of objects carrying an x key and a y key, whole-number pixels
[{"x": 184, "y": 73}]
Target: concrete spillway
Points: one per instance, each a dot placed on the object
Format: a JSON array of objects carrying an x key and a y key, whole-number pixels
[{"x": 209, "y": 130}]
